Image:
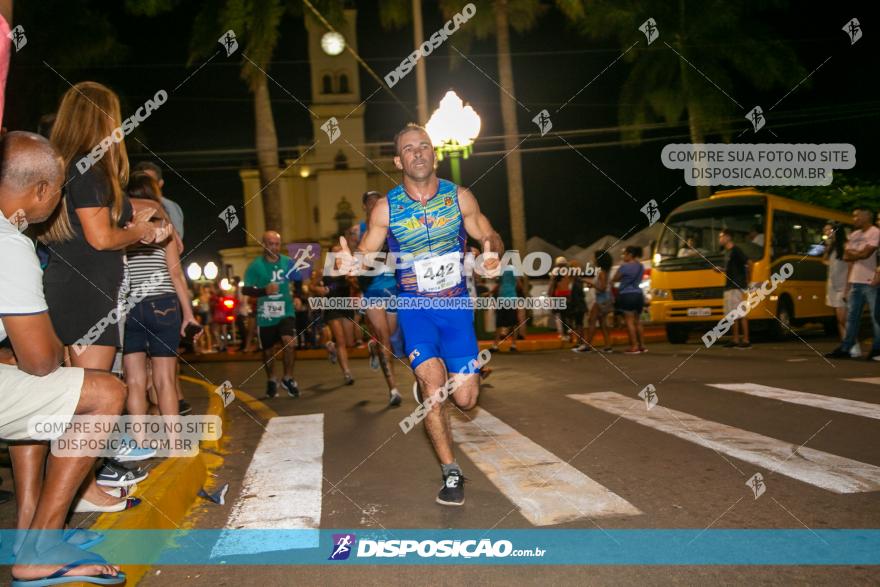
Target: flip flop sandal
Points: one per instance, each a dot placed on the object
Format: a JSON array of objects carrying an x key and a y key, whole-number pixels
[
  {"x": 82, "y": 538},
  {"x": 61, "y": 577}
]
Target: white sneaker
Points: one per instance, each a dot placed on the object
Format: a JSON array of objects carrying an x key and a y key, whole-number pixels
[
  {"x": 856, "y": 351},
  {"x": 394, "y": 398}
]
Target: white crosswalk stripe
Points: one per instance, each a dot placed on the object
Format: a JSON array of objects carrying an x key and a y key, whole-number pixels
[
  {"x": 828, "y": 471},
  {"x": 824, "y": 402},
  {"x": 282, "y": 489},
  {"x": 546, "y": 489}
]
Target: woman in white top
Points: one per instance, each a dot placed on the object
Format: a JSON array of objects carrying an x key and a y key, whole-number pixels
[{"x": 837, "y": 273}]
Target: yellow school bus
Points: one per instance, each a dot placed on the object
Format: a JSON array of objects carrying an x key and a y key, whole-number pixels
[{"x": 686, "y": 290}]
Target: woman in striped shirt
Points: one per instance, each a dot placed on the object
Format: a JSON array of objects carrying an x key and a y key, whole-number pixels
[{"x": 160, "y": 310}]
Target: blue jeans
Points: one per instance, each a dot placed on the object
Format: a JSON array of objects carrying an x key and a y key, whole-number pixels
[{"x": 859, "y": 295}]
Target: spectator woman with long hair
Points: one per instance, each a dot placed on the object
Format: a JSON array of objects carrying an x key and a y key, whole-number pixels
[
  {"x": 835, "y": 297},
  {"x": 86, "y": 237},
  {"x": 156, "y": 322}
]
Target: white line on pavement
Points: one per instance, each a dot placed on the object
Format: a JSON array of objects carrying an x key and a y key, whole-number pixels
[
  {"x": 824, "y": 402},
  {"x": 546, "y": 489},
  {"x": 831, "y": 472},
  {"x": 281, "y": 489}
]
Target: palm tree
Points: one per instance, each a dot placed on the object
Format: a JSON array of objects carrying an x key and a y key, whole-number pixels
[
  {"x": 256, "y": 24},
  {"x": 498, "y": 17},
  {"x": 700, "y": 45}
]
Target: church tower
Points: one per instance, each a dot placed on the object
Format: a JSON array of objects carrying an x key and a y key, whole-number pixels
[{"x": 321, "y": 186}]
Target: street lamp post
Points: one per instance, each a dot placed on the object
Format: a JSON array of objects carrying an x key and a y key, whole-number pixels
[{"x": 453, "y": 128}]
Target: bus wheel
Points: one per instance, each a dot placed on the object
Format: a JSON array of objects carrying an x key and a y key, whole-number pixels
[
  {"x": 677, "y": 333},
  {"x": 782, "y": 326}
]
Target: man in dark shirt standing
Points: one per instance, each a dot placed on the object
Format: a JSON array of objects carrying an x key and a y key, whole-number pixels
[{"x": 737, "y": 270}]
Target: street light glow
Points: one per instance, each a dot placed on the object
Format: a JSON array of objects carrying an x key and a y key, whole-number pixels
[
  {"x": 453, "y": 123},
  {"x": 211, "y": 270},
  {"x": 194, "y": 271}
]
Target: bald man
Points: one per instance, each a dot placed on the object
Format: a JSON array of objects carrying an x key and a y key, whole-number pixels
[
  {"x": 33, "y": 385},
  {"x": 266, "y": 279}
]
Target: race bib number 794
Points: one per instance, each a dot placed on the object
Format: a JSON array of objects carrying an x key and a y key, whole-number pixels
[
  {"x": 438, "y": 273},
  {"x": 273, "y": 309}
]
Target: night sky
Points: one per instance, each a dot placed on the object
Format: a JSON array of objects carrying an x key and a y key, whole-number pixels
[{"x": 568, "y": 201}]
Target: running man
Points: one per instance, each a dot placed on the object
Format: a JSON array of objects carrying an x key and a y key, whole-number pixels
[
  {"x": 266, "y": 279},
  {"x": 383, "y": 321},
  {"x": 426, "y": 222}
]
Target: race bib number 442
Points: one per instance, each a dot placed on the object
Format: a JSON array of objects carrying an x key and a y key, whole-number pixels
[{"x": 438, "y": 273}]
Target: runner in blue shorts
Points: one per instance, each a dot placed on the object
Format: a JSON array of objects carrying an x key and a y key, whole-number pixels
[
  {"x": 426, "y": 222},
  {"x": 381, "y": 287}
]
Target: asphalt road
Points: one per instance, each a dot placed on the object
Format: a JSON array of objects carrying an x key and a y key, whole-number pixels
[{"x": 685, "y": 475}]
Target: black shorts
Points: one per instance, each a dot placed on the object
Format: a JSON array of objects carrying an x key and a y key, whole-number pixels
[
  {"x": 505, "y": 318},
  {"x": 338, "y": 314},
  {"x": 631, "y": 302},
  {"x": 271, "y": 335}
]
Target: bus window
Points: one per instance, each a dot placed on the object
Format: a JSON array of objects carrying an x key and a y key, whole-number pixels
[
  {"x": 794, "y": 234},
  {"x": 694, "y": 234}
]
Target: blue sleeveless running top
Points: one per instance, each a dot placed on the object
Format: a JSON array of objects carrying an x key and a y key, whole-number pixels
[{"x": 423, "y": 232}]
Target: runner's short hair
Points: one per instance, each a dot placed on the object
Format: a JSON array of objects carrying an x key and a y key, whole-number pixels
[
  {"x": 726, "y": 232},
  {"x": 410, "y": 126},
  {"x": 634, "y": 251}
]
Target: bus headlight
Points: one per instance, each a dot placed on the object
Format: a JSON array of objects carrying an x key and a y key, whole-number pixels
[{"x": 660, "y": 294}]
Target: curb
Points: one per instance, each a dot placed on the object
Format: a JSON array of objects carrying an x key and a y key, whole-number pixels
[{"x": 168, "y": 493}]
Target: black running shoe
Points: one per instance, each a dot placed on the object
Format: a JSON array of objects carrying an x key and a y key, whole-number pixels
[
  {"x": 452, "y": 492},
  {"x": 349, "y": 380},
  {"x": 290, "y": 386},
  {"x": 112, "y": 474},
  {"x": 183, "y": 407},
  {"x": 838, "y": 353},
  {"x": 271, "y": 389}
]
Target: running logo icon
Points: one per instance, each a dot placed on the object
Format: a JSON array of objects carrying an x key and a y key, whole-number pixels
[
  {"x": 342, "y": 547},
  {"x": 649, "y": 28},
  {"x": 303, "y": 257},
  {"x": 19, "y": 39},
  {"x": 652, "y": 211},
  {"x": 224, "y": 390},
  {"x": 543, "y": 121},
  {"x": 756, "y": 117},
  {"x": 853, "y": 29},
  {"x": 229, "y": 217},
  {"x": 331, "y": 127},
  {"x": 18, "y": 220},
  {"x": 757, "y": 485},
  {"x": 649, "y": 394},
  {"x": 229, "y": 42}
]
